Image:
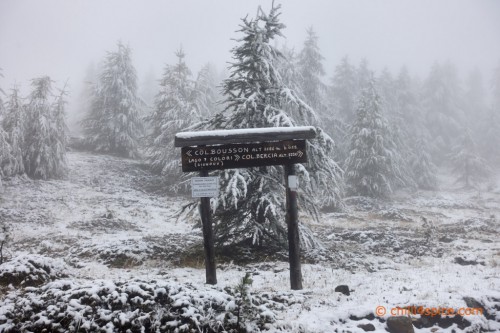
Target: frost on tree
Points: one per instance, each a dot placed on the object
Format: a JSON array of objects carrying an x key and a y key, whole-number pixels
[
  {"x": 45, "y": 136},
  {"x": 311, "y": 71},
  {"x": 490, "y": 124},
  {"x": 341, "y": 101},
  {"x": 13, "y": 123},
  {"x": 443, "y": 112},
  {"x": 423, "y": 169},
  {"x": 251, "y": 203},
  {"x": 370, "y": 167},
  {"x": 174, "y": 110},
  {"x": 399, "y": 127},
  {"x": 5, "y": 149},
  {"x": 113, "y": 124},
  {"x": 206, "y": 91},
  {"x": 470, "y": 167}
]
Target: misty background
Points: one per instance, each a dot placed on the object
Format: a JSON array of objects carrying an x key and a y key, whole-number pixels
[{"x": 63, "y": 39}]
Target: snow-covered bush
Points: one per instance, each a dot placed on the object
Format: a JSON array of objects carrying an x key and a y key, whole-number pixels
[
  {"x": 31, "y": 270},
  {"x": 133, "y": 306}
]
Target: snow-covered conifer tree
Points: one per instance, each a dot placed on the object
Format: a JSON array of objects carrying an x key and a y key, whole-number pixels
[
  {"x": 13, "y": 123},
  {"x": 5, "y": 150},
  {"x": 343, "y": 91},
  {"x": 470, "y": 167},
  {"x": 251, "y": 204},
  {"x": 490, "y": 125},
  {"x": 443, "y": 108},
  {"x": 310, "y": 68},
  {"x": 44, "y": 156},
  {"x": 113, "y": 124},
  {"x": 424, "y": 171},
  {"x": 398, "y": 127},
  {"x": 175, "y": 109},
  {"x": 59, "y": 130},
  {"x": 206, "y": 93},
  {"x": 371, "y": 168},
  {"x": 364, "y": 76}
]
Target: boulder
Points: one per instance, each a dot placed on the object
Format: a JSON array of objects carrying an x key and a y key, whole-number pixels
[
  {"x": 344, "y": 289},
  {"x": 400, "y": 324}
]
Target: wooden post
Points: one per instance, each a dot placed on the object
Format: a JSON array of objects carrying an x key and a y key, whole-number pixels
[
  {"x": 208, "y": 238},
  {"x": 293, "y": 232}
]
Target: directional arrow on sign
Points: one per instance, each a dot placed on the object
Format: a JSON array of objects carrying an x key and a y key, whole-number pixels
[
  {"x": 188, "y": 153},
  {"x": 300, "y": 153},
  {"x": 236, "y": 157}
]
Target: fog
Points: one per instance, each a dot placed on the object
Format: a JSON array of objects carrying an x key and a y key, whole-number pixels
[{"x": 62, "y": 38}]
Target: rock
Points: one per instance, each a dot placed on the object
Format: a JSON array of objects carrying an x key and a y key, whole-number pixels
[
  {"x": 463, "y": 262},
  {"x": 472, "y": 303},
  {"x": 344, "y": 289},
  {"x": 400, "y": 324},
  {"x": 445, "y": 239},
  {"x": 367, "y": 327}
]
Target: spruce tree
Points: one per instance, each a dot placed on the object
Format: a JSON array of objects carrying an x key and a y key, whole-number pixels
[
  {"x": 424, "y": 171},
  {"x": 251, "y": 203},
  {"x": 343, "y": 91},
  {"x": 5, "y": 149},
  {"x": 175, "y": 110},
  {"x": 113, "y": 124},
  {"x": 399, "y": 128},
  {"x": 470, "y": 167},
  {"x": 489, "y": 128},
  {"x": 310, "y": 68},
  {"x": 371, "y": 165},
  {"x": 45, "y": 137},
  {"x": 206, "y": 92},
  {"x": 14, "y": 123},
  {"x": 444, "y": 115}
]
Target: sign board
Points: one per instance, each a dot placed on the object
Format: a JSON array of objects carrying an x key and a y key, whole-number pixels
[
  {"x": 232, "y": 156},
  {"x": 204, "y": 187}
]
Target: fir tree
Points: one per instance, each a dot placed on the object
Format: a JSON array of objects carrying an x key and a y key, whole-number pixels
[
  {"x": 443, "y": 108},
  {"x": 251, "y": 202},
  {"x": 14, "y": 124},
  {"x": 343, "y": 90},
  {"x": 423, "y": 169},
  {"x": 175, "y": 109},
  {"x": 470, "y": 167},
  {"x": 398, "y": 128},
  {"x": 371, "y": 168},
  {"x": 5, "y": 150},
  {"x": 489, "y": 128},
  {"x": 311, "y": 71},
  {"x": 45, "y": 135},
  {"x": 364, "y": 76},
  {"x": 206, "y": 93},
  {"x": 113, "y": 124}
]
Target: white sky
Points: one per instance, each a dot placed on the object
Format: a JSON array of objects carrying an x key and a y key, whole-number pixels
[{"x": 60, "y": 38}]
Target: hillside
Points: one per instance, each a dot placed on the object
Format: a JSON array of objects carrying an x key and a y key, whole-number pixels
[{"x": 102, "y": 250}]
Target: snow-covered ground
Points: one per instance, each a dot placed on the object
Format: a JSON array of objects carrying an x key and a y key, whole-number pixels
[{"x": 103, "y": 231}]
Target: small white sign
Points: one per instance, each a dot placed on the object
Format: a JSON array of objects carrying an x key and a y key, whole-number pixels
[
  {"x": 293, "y": 182},
  {"x": 204, "y": 187}
]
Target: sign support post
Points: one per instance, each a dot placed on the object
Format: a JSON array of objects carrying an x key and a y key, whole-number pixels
[
  {"x": 293, "y": 230},
  {"x": 208, "y": 237}
]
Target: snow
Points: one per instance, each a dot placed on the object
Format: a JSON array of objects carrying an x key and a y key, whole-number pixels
[
  {"x": 243, "y": 131},
  {"x": 134, "y": 258}
]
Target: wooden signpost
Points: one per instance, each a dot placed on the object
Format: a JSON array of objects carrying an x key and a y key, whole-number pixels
[{"x": 243, "y": 148}]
